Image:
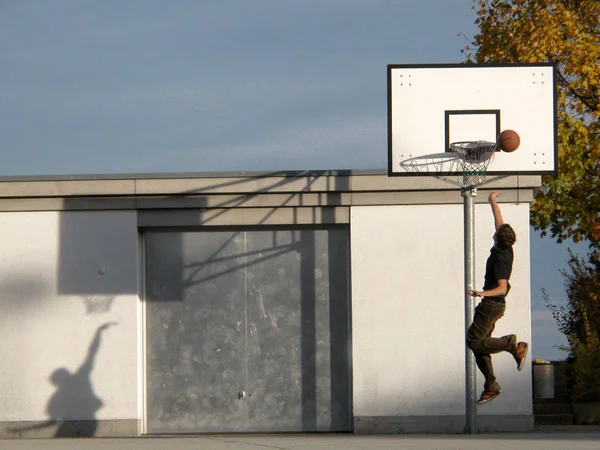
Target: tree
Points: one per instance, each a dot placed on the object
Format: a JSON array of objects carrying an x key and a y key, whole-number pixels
[
  {"x": 565, "y": 32},
  {"x": 579, "y": 321}
]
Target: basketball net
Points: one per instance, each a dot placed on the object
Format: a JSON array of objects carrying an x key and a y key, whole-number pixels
[{"x": 473, "y": 159}]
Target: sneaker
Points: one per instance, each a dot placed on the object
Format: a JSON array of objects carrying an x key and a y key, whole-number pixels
[
  {"x": 520, "y": 354},
  {"x": 487, "y": 396}
]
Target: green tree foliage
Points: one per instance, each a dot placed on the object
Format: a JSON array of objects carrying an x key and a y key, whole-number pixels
[
  {"x": 565, "y": 32},
  {"x": 579, "y": 320}
]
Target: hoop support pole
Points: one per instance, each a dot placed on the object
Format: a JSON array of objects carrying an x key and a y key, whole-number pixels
[{"x": 468, "y": 194}]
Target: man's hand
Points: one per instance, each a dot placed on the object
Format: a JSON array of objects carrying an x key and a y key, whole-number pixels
[
  {"x": 493, "y": 195},
  {"x": 474, "y": 293}
]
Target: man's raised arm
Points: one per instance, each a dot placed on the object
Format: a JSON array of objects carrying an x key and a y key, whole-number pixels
[{"x": 496, "y": 209}]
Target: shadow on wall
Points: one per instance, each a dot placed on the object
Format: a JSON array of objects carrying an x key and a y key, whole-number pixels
[
  {"x": 72, "y": 408},
  {"x": 97, "y": 257},
  {"x": 94, "y": 264},
  {"x": 22, "y": 289}
]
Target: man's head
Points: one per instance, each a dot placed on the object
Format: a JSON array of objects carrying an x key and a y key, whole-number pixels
[
  {"x": 60, "y": 377},
  {"x": 505, "y": 236}
]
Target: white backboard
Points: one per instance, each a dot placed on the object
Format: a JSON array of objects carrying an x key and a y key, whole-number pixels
[{"x": 431, "y": 106}]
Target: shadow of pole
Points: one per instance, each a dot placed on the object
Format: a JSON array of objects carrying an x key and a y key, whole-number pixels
[{"x": 308, "y": 330}]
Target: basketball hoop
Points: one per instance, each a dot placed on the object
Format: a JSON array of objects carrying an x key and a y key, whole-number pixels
[
  {"x": 473, "y": 159},
  {"x": 437, "y": 162},
  {"x": 467, "y": 158}
]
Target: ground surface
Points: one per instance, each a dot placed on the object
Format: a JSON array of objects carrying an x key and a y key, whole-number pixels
[{"x": 544, "y": 438}]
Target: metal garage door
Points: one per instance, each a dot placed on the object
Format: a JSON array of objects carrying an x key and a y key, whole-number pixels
[{"x": 247, "y": 330}]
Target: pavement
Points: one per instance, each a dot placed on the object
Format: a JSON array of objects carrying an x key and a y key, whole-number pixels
[{"x": 542, "y": 438}]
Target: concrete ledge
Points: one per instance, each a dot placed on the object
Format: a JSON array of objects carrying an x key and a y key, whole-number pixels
[
  {"x": 289, "y": 200},
  {"x": 66, "y": 188},
  {"x": 310, "y": 183},
  {"x": 66, "y": 204},
  {"x": 244, "y": 216},
  {"x": 278, "y": 190},
  {"x": 243, "y": 183},
  {"x": 69, "y": 428},
  {"x": 440, "y": 424}
]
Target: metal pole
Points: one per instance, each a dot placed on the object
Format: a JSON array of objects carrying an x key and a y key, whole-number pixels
[{"x": 470, "y": 376}]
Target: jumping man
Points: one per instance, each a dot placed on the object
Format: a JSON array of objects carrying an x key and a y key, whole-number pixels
[{"x": 491, "y": 308}]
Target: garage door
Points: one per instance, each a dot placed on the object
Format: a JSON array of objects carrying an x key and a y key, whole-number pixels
[{"x": 247, "y": 331}]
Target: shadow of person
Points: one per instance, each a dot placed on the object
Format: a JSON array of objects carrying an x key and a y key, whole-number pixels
[
  {"x": 74, "y": 405},
  {"x": 75, "y": 397}
]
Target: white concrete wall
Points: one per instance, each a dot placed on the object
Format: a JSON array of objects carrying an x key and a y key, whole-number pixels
[
  {"x": 50, "y": 262},
  {"x": 408, "y": 310}
]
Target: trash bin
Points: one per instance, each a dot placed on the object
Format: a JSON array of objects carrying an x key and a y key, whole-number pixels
[{"x": 543, "y": 380}]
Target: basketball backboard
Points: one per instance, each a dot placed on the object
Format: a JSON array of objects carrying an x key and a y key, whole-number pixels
[{"x": 431, "y": 106}]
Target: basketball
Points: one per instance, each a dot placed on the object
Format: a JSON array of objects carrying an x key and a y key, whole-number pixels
[{"x": 509, "y": 140}]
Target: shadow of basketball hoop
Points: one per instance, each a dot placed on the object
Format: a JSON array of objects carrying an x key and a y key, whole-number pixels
[{"x": 98, "y": 304}]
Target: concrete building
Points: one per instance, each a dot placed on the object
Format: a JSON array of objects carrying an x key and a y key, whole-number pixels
[{"x": 248, "y": 302}]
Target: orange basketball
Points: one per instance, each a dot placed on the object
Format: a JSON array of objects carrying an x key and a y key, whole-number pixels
[{"x": 509, "y": 140}]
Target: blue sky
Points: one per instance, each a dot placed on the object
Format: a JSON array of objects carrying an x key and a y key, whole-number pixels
[{"x": 134, "y": 86}]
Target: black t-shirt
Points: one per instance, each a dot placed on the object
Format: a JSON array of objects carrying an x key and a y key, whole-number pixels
[{"x": 498, "y": 267}]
